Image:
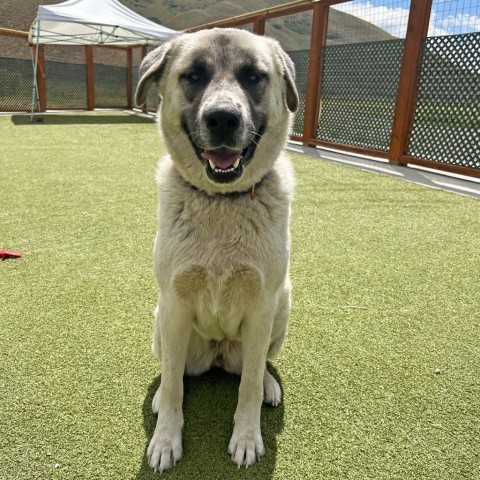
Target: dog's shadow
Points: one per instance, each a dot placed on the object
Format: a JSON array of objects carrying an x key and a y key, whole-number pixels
[{"x": 209, "y": 405}]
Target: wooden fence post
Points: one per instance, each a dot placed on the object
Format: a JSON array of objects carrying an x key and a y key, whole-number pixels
[
  {"x": 129, "y": 77},
  {"x": 315, "y": 66},
  {"x": 417, "y": 30},
  {"x": 143, "y": 55},
  {"x": 90, "y": 77},
  {"x": 259, "y": 26},
  {"x": 41, "y": 78}
]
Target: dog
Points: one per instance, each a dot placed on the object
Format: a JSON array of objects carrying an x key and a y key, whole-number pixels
[{"x": 221, "y": 253}]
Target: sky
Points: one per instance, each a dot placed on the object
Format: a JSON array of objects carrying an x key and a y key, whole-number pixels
[{"x": 448, "y": 16}]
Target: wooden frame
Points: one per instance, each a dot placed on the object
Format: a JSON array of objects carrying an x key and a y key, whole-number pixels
[
  {"x": 267, "y": 14},
  {"x": 129, "y": 77},
  {"x": 90, "y": 77},
  {"x": 8, "y": 32},
  {"x": 143, "y": 55},
  {"x": 41, "y": 77},
  {"x": 315, "y": 67},
  {"x": 417, "y": 30}
]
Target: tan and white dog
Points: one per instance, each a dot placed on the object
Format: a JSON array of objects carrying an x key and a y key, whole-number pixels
[{"x": 222, "y": 248}]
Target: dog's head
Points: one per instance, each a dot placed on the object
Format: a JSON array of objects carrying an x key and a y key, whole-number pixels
[{"x": 226, "y": 97}]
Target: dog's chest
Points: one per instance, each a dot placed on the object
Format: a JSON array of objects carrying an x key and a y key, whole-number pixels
[
  {"x": 220, "y": 298},
  {"x": 221, "y": 256},
  {"x": 220, "y": 234}
]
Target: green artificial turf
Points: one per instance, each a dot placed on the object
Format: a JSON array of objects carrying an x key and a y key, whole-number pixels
[{"x": 380, "y": 369}]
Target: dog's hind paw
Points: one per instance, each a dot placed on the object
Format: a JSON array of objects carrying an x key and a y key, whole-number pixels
[
  {"x": 155, "y": 401},
  {"x": 272, "y": 395}
]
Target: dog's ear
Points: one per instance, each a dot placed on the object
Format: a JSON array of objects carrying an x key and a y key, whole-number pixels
[
  {"x": 151, "y": 70},
  {"x": 289, "y": 78}
]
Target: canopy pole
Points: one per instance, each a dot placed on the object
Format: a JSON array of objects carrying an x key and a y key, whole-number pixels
[{"x": 35, "y": 68}]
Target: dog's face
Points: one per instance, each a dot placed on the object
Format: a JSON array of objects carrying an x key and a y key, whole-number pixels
[{"x": 226, "y": 96}]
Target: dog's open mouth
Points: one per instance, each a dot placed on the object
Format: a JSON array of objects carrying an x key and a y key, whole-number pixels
[
  {"x": 224, "y": 164},
  {"x": 223, "y": 159}
]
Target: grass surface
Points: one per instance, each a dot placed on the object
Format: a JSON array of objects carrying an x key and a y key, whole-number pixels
[{"x": 386, "y": 290}]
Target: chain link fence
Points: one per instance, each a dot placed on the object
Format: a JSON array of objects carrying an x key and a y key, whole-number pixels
[
  {"x": 16, "y": 82},
  {"x": 66, "y": 85},
  {"x": 110, "y": 86},
  {"x": 65, "y": 73}
]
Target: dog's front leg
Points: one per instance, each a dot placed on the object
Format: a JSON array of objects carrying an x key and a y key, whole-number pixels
[
  {"x": 174, "y": 326},
  {"x": 246, "y": 444}
]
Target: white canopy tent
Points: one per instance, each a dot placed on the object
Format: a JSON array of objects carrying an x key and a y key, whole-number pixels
[{"x": 92, "y": 22}]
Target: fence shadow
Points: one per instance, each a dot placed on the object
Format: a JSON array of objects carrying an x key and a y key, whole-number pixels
[
  {"x": 78, "y": 119},
  {"x": 209, "y": 405}
]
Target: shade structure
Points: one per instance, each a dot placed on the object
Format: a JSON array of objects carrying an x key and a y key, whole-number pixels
[
  {"x": 91, "y": 22},
  {"x": 94, "y": 22}
]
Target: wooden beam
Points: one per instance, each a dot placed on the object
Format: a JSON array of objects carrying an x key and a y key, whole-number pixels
[
  {"x": 296, "y": 138},
  {"x": 349, "y": 148},
  {"x": 417, "y": 30},
  {"x": 447, "y": 167},
  {"x": 129, "y": 77},
  {"x": 259, "y": 26},
  {"x": 318, "y": 41},
  {"x": 90, "y": 77},
  {"x": 280, "y": 10},
  {"x": 8, "y": 32},
  {"x": 41, "y": 79},
  {"x": 143, "y": 54},
  {"x": 267, "y": 13},
  {"x": 301, "y": 8},
  {"x": 41, "y": 82}
]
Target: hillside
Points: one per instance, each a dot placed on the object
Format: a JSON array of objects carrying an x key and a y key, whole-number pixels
[
  {"x": 181, "y": 14},
  {"x": 176, "y": 14},
  {"x": 292, "y": 31}
]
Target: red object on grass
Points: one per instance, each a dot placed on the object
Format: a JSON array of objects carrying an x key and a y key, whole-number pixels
[{"x": 4, "y": 254}]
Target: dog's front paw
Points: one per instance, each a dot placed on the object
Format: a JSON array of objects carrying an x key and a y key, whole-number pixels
[
  {"x": 165, "y": 447},
  {"x": 246, "y": 445}
]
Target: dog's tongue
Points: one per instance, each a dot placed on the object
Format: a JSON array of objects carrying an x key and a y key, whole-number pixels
[{"x": 222, "y": 157}]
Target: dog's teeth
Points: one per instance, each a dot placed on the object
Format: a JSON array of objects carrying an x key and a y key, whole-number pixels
[
  {"x": 212, "y": 165},
  {"x": 236, "y": 164}
]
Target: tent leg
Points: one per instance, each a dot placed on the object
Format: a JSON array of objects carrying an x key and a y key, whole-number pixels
[{"x": 35, "y": 67}]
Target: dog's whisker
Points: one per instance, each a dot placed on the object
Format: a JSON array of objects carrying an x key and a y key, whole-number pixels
[{"x": 194, "y": 136}]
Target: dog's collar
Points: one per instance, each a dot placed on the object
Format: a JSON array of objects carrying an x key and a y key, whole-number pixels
[{"x": 252, "y": 191}]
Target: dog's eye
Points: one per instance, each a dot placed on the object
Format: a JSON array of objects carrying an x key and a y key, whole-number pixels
[
  {"x": 193, "y": 76},
  {"x": 252, "y": 77}
]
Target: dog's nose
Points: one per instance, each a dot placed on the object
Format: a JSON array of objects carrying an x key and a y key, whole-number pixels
[{"x": 222, "y": 121}]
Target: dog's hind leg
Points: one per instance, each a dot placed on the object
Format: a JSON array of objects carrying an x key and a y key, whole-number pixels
[
  {"x": 272, "y": 394},
  {"x": 157, "y": 351}
]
